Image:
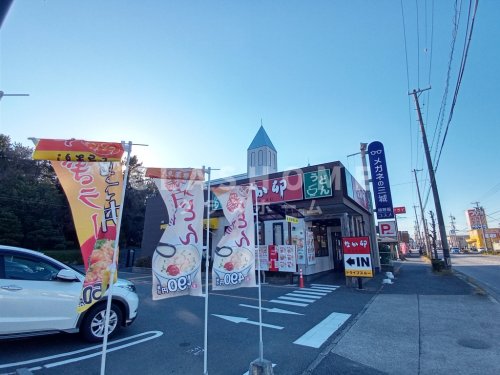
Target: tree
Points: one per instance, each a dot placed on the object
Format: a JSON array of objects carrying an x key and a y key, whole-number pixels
[
  {"x": 137, "y": 191},
  {"x": 32, "y": 204}
]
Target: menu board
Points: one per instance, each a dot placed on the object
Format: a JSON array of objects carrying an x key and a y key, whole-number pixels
[
  {"x": 298, "y": 241},
  {"x": 311, "y": 254},
  {"x": 286, "y": 258},
  {"x": 262, "y": 258}
]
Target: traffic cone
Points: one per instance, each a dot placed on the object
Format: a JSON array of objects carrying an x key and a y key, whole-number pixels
[{"x": 301, "y": 279}]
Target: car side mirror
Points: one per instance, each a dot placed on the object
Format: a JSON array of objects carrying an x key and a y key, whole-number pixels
[{"x": 67, "y": 275}]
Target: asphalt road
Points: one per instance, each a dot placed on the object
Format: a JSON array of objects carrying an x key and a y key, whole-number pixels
[
  {"x": 485, "y": 269},
  {"x": 168, "y": 335}
]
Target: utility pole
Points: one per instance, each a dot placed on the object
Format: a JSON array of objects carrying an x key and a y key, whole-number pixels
[
  {"x": 433, "y": 225},
  {"x": 435, "y": 193},
  {"x": 374, "y": 245},
  {"x": 453, "y": 231},
  {"x": 480, "y": 213},
  {"x": 424, "y": 222},
  {"x": 418, "y": 227}
]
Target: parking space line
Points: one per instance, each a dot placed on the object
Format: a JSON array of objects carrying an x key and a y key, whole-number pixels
[{"x": 94, "y": 347}]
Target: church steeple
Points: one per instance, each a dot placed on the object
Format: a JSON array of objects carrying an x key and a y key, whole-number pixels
[{"x": 261, "y": 155}]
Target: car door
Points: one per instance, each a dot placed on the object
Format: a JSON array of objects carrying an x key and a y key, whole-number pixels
[{"x": 32, "y": 298}]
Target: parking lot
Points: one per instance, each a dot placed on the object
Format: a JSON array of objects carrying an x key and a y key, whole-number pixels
[{"x": 168, "y": 335}]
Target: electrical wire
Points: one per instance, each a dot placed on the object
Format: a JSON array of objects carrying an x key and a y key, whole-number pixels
[{"x": 465, "y": 53}]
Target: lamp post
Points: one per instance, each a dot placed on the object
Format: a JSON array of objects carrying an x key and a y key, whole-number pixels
[{"x": 2, "y": 94}]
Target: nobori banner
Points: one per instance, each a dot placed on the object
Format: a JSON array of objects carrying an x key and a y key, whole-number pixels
[{"x": 380, "y": 180}]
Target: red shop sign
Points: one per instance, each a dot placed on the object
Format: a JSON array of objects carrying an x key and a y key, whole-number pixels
[{"x": 286, "y": 188}]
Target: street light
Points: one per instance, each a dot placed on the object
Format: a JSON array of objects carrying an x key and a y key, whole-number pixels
[{"x": 2, "y": 94}]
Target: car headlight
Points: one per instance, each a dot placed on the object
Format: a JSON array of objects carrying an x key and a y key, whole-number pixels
[{"x": 130, "y": 287}]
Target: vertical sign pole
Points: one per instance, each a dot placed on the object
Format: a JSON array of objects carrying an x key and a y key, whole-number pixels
[
  {"x": 115, "y": 257},
  {"x": 261, "y": 342},
  {"x": 207, "y": 259}
]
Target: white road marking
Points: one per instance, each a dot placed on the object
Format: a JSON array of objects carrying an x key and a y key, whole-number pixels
[
  {"x": 297, "y": 299},
  {"x": 238, "y": 319},
  {"x": 273, "y": 310},
  {"x": 317, "y": 335},
  {"x": 289, "y": 303},
  {"x": 313, "y": 291},
  {"x": 297, "y": 294},
  {"x": 322, "y": 289},
  {"x": 327, "y": 286},
  {"x": 155, "y": 334}
]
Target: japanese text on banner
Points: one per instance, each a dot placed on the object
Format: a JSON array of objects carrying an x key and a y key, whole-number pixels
[{"x": 234, "y": 259}]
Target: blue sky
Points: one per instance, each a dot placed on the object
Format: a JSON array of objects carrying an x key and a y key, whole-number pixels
[{"x": 193, "y": 79}]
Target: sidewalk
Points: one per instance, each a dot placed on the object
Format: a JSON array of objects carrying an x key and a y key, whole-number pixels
[{"x": 424, "y": 323}]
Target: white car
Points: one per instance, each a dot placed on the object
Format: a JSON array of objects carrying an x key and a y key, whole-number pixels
[{"x": 39, "y": 295}]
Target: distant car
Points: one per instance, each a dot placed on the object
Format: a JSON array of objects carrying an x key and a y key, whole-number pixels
[
  {"x": 481, "y": 250},
  {"x": 39, "y": 295},
  {"x": 455, "y": 250}
]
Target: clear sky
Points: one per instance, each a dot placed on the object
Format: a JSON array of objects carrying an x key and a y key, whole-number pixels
[{"x": 193, "y": 79}]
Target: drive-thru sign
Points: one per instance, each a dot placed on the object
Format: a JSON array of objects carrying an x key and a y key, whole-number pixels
[{"x": 357, "y": 259}]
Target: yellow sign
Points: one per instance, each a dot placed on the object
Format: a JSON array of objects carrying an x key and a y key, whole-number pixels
[
  {"x": 292, "y": 219},
  {"x": 359, "y": 273},
  {"x": 213, "y": 223}
]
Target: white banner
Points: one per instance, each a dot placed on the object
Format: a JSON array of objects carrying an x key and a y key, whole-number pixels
[
  {"x": 177, "y": 259},
  {"x": 310, "y": 250},
  {"x": 234, "y": 258}
]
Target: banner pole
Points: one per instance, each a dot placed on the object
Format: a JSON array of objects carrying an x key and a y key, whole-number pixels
[
  {"x": 261, "y": 342},
  {"x": 207, "y": 261},
  {"x": 113, "y": 264}
]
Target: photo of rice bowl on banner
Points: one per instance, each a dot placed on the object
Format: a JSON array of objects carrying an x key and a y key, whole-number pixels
[
  {"x": 234, "y": 258},
  {"x": 176, "y": 263}
]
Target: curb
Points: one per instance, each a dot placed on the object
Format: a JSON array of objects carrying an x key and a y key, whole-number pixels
[{"x": 482, "y": 288}]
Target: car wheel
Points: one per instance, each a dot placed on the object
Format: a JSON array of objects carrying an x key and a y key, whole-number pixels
[{"x": 92, "y": 328}]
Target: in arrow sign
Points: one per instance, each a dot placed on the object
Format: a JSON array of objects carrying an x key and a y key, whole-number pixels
[{"x": 350, "y": 261}]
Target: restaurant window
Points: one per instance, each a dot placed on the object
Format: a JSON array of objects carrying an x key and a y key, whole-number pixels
[
  {"x": 320, "y": 240},
  {"x": 261, "y": 236},
  {"x": 278, "y": 234}
]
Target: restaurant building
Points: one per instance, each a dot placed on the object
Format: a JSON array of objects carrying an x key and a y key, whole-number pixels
[{"x": 311, "y": 207}]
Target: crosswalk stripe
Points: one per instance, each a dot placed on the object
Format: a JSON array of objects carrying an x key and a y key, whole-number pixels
[
  {"x": 297, "y": 299},
  {"x": 289, "y": 303},
  {"x": 327, "y": 286},
  {"x": 297, "y": 294},
  {"x": 322, "y": 289},
  {"x": 315, "y": 291}
]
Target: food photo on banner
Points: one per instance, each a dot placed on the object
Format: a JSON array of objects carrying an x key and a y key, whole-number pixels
[
  {"x": 176, "y": 263},
  {"x": 234, "y": 258},
  {"x": 93, "y": 185}
]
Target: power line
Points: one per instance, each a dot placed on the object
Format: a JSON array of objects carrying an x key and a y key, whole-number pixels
[{"x": 461, "y": 73}]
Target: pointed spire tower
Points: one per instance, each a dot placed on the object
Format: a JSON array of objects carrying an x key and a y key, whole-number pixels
[{"x": 262, "y": 157}]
